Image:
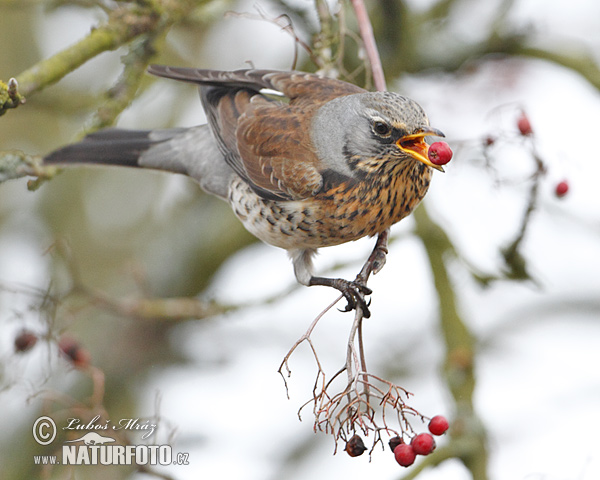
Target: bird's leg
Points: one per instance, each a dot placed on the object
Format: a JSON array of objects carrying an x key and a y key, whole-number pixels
[
  {"x": 353, "y": 291},
  {"x": 376, "y": 260}
]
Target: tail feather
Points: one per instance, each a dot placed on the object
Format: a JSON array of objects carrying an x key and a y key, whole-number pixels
[
  {"x": 189, "y": 151},
  {"x": 112, "y": 146}
]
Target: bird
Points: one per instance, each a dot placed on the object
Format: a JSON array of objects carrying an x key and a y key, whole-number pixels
[{"x": 304, "y": 161}]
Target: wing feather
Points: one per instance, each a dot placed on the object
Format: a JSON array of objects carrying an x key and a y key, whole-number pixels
[{"x": 267, "y": 142}]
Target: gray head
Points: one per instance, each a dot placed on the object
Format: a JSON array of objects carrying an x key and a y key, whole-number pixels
[{"x": 368, "y": 128}]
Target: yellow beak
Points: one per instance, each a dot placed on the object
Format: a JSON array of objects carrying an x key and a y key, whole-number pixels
[{"x": 417, "y": 148}]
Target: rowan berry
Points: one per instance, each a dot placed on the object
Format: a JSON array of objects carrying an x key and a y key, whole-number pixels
[
  {"x": 524, "y": 125},
  {"x": 439, "y": 153},
  {"x": 562, "y": 188},
  {"x": 423, "y": 444},
  {"x": 438, "y": 425},
  {"x": 405, "y": 454}
]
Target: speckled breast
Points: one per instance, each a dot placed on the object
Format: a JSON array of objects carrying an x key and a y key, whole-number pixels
[{"x": 341, "y": 214}]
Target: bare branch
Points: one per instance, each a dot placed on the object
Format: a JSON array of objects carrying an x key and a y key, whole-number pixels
[
  {"x": 366, "y": 32},
  {"x": 122, "y": 27}
]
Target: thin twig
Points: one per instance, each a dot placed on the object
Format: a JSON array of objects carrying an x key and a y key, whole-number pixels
[
  {"x": 304, "y": 338},
  {"x": 366, "y": 32}
]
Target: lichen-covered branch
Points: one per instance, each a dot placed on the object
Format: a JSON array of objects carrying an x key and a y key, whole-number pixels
[
  {"x": 126, "y": 22},
  {"x": 139, "y": 24},
  {"x": 123, "y": 25},
  {"x": 10, "y": 97},
  {"x": 121, "y": 94},
  {"x": 17, "y": 164}
]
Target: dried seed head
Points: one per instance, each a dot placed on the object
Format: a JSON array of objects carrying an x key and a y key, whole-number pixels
[
  {"x": 25, "y": 340},
  {"x": 355, "y": 446}
]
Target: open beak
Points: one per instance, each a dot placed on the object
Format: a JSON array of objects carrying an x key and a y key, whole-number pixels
[{"x": 416, "y": 147}]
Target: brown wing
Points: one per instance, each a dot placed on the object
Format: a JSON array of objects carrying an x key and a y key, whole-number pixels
[
  {"x": 274, "y": 144},
  {"x": 265, "y": 141},
  {"x": 294, "y": 85}
]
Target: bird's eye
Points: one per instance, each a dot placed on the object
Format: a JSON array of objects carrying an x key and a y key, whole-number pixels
[{"x": 381, "y": 128}]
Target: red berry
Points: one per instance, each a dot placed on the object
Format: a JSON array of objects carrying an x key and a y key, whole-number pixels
[
  {"x": 438, "y": 425},
  {"x": 74, "y": 352},
  {"x": 439, "y": 153},
  {"x": 355, "y": 446},
  {"x": 25, "y": 341},
  {"x": 423, "y": 444},
  {"x": 405, "y": 455},
  {"x": 524, "y": 125},
  {"x": 562, "y": 188}
]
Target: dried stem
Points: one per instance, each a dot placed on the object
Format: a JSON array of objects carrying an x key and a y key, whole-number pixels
[
  {"x": 302, "y": 339},
  {"x": 511, "y": 253},
  {"x": 364, "y": 404}
]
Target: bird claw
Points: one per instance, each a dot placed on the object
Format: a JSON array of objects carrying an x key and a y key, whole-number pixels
[{"x": 353, "y": 291}]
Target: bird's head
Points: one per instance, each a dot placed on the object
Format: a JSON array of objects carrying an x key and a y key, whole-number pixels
[{"x": 367, "y": 129}]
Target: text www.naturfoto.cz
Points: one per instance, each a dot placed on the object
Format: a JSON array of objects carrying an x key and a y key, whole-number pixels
[{"x": 112, "y": 455}]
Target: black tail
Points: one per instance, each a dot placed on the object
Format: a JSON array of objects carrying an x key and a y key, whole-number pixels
[
  {"x": 189, "y": 151},
  {"x": 112, "y": 146}
]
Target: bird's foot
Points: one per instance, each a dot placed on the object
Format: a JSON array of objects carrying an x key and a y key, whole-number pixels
[{"x": 353, "y": 291}]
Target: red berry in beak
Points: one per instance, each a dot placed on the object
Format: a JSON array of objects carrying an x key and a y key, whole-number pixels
[{"x": 439, "y": 153}]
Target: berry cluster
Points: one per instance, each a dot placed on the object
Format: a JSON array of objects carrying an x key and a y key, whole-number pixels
[
  {"x": 69, "y": 348},
  {"x": 525, "y": 129},
  {"x": 421, "y": 444},
  {"x": 405, "y": 453}
]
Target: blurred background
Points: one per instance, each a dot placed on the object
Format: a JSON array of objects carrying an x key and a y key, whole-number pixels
[{"x": 186, "y": 318}]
